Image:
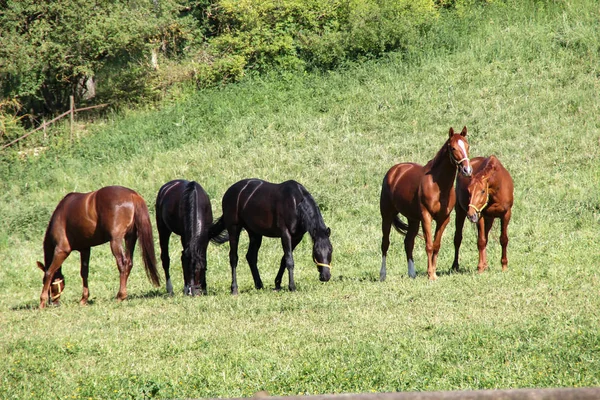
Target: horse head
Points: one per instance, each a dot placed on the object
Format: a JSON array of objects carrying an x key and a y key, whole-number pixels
[
  {"x": 458, "y": 149},
  {"x": 479, "y": 197},
  {"x": 322, "y": 250},
  {"x": 57, "y": 284}
]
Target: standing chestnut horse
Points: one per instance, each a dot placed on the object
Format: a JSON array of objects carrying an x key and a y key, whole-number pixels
[
  {"x": 83, "y": 220},
  {"x": 284, "y": 210},
  {"x": 183, "y": 208},
  {"x": 423, "y": 194},
  {"x": 487, "y": 195}
]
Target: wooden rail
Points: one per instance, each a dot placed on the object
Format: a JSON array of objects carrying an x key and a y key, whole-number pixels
[
  {"x": 71, "y": 112},
  {"x": 506, "y": 394}
]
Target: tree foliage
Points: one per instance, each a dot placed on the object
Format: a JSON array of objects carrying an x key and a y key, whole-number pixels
[{"x": 134, "y": 49}]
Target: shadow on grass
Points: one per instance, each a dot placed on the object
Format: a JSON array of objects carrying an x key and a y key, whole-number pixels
[{"x": 151, "y": 294}]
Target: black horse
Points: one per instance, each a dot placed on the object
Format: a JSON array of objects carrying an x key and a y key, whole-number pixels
[
  {"x": 183, "y": 208},
  {"x": 284, "y": 210}
]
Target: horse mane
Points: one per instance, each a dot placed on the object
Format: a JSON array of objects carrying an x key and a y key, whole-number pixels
[
  {"x": 488, "y": 168},
  {"x": 310, "y": 215},
  {"x": 439, "y": 157},
  {"x": 190, "y": 219}
]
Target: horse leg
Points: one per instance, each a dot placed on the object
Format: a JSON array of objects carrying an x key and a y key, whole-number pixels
[
  {"x": 386, "y": 225},
  {"x": 85, "y": 269},
  {"x": 437, "y": 242},
  {"x": 57, "y": 260},
  {"x": 458, "y": 235},
  {"x": 409, "y": 245},
  {"x": 163, "y": 237},
  {"x": 116, "y": 246},
  {"x": 426, "y": 222},
  {"x": 288, "y": 259},
  {"x": 234, "y": 237},
  {"x": 483, "y": 229},
  {"x": 283, "y": 264},
  {"x": 504, "y": 238},
  {"x": 252, "y": 258}
]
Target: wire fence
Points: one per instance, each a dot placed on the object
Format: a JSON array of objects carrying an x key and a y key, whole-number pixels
[{"x": 71, "y": 113}]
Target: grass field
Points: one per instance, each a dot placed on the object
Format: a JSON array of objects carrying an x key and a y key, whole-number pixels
[{"x": 523, "y": 79}]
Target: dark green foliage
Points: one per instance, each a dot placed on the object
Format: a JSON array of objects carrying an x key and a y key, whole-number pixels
[{"x": 50, "y": 48}]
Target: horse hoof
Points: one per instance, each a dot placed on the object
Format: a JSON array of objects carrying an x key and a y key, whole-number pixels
[{"x": 433, "y": 277}]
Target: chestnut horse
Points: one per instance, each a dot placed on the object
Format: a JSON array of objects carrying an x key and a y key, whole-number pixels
[
  {"x": 487, "y": 195},
  {"x": 183, "y": 208},
  {"x": 422, "y": 194},
  {"x": 284, "y": 210},
  {"x": 83, "y": 220}
]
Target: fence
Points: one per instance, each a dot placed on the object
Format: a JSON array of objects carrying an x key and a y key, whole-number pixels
[{"x": 71, "y": 112}]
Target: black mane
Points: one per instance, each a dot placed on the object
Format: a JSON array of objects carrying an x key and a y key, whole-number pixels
[{"x": 310, "y": 216}]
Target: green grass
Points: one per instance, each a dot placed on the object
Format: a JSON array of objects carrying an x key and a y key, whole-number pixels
[{"x": 524, "y": 80}]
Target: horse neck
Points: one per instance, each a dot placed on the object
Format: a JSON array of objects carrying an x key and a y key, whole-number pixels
[
  {"x": 441, "y": 167},
  {"x": 312, "y": 219}
]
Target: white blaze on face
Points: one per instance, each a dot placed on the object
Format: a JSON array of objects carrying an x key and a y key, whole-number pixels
[
  {"x": 461, "y": 145},
  {"x": 465, "y": 156}
]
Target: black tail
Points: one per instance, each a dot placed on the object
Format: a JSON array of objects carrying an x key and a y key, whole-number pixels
[
  {"x": 400, "y": 226},
  {"x": 217, "y": 232}
]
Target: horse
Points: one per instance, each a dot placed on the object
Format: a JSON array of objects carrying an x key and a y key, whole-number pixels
[
  {"x": 287, "y": 211},
  {"x": 487, "y": 195},
  {"x": 422, "y": 194},
  {"x": 84, "y": 220},
  {"x": 183, "y": 208}
]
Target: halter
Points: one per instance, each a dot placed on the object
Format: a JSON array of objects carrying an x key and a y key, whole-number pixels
[
  {"x": 487, "y": 200},
  {"x": 57, "y": 282},
  {"x": 322, "y": 264},
  {"x": 457, "y": 162}
]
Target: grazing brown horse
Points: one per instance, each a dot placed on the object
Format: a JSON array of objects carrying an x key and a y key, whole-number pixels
[
  {"x": 183, "y": 208},
  {"x": 422, "y": 194},
  {"x": 487, "y": 195},
  {"x": 285, "y": 211},
  {"x": 83, "y": 220}
]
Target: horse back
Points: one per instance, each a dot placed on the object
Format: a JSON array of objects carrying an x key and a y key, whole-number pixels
[
  {"x": 168, "y": 206},
  {"x": 262, "y": 207},
  {"x": 84, "y": 220}
]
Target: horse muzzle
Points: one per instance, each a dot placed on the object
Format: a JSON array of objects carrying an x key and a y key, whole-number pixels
[{"x": 465, "y": 170}]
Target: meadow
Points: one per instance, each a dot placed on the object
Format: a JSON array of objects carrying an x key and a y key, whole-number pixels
[{"x": 524, "y": 79}]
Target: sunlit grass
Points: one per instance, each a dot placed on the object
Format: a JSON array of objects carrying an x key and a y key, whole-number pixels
[{"x": 526, "y": 87}]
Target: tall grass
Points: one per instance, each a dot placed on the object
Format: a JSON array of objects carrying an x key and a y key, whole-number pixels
[{"x": 522, "y": 77}]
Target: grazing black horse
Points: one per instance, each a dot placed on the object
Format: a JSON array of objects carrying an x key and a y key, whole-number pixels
[
  {"x": 184, "y": 208},
  {"x": 284, "y": 210}
]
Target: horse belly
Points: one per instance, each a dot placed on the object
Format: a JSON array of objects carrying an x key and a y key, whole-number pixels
[{"x": 84, "y": 235}]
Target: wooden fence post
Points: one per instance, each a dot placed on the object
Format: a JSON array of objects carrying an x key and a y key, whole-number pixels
[{"x": 72, "y": 115}]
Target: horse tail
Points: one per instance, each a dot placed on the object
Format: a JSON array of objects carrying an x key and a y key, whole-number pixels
[
  {"x": 144, "y": 231},
  {"x": 217, "y": 232},
  {"x": 400, "y": 225},
  {"x": 189, "y": 211}
]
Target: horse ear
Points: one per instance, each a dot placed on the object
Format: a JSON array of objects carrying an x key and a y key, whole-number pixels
[
  {"x": 464, "y": 131},
  {"x": 41, "y": 266},
  {"x": 328, "y": 232},
  {"x": 451, "y": 132}
]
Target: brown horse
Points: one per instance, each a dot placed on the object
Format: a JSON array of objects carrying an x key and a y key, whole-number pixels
[
  {"x": 83, "y": 220},
  {"x": 422, "y": 194},
  {"x": 487, "y": 195}
]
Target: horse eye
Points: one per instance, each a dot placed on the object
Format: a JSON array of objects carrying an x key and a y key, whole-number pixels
[{"x": 482, "y": 191}]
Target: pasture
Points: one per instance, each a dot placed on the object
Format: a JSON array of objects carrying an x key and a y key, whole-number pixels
[{"x": 524, "y": 81}]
